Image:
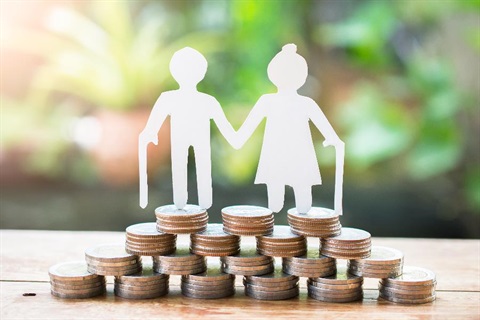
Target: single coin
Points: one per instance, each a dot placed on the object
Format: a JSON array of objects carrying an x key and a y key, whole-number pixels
[
  {"x": 341, "y": 277},
  {"x": 406, "y": 290},
  {"x": 315, "y": 296},
  {"x": 383, "y": 255},
  {"x": 173, "y": 211},
  {"x": 208, "y": 294},
  {"x": 310, "y": 273},
  {"x": 350, "y": 235},
  {"x": 140, "y": 296},
  {"x": 282, "y": 253},
  {"x": 248, "y": 233},
  {"x": 277, "y": 276},
  {"x": 407, "y": 301},
  {"x": 384, "y": 282},
  {"x": 311, "y": 257},
  {"x": 77, "y": 296},
  {"x": 257, "y": 272},
  {"x": 72, "y": 271},
  {"x": 147, "y": 274},
  {"x": 214, "y": 231},
  {"x": 122, "y": 264},
  {"x": 246, "y": 212},
  {"x": 145, "y": 230},
  {"x": 78, "y": 284},
  {"x": 114, "y": 272},
  {"x": 336, "y": 292},
  {"x": 316, "y": 234},
  {"x": 250, "y": 268},
  {"x": 181, "y": 223},
  {"x": 76, "y": 289},
  {"x": 338, "y": 255},
  {"x": 388, "y": 293},
  {"x": 281, "y": 233},
  {"x": 334, "y": 286},
  {"x": 315, "y": 213},
  {"x": 413, "y": 276},
  {"x": 278, "y": 287},
  {"x": 266, "y": 295},
  {"x": 114, "y": 252},
  {"x": 151, "y": 253},
  {"x": 211, "y": 274},
  {"x": 181, "y": 254}
]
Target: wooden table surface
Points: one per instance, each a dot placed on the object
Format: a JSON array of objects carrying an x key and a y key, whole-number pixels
[{"x": 27, "y": 255}]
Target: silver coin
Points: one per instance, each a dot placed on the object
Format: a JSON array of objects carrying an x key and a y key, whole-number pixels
[
  {"x": 113, "y": 252},
  {"x": 413, "y": 276},
  {"x": 72, "y": 271}
]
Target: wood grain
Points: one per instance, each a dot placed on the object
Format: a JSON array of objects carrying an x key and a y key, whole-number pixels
[{"x": 27, "y": 255}]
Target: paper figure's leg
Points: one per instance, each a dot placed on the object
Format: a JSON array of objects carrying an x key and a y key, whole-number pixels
[
  {"x": 179, "y": 175},
  {"x": 303, "y": 198},
  {"x": 204, "y": 176},
  {"x": 276, "y": 196}
]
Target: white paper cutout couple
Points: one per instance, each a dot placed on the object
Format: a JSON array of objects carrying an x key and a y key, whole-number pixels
[{"x": 287, "y": 156}]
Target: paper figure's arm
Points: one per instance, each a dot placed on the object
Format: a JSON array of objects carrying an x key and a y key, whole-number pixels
[
  {"x": 149, "y": 134},
  {"x": 226, "y": 129},
  {"x": 254, "y": 118},
  {"x": 331, "y": 139}
]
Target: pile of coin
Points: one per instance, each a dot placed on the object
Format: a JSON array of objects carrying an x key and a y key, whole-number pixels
[
  {"x": 310, "y": 265},
  {"x": 247, "y": 263},
  {"x": 72, "y": 280},
  {"x": 190, "y": 219},
  {"x": 144, "y": 239},
  {"x": 273, "y": 286},
  {"x": 247, "y": 220},
  {"x": 341, "y": 287},
  {"x": 383, "y": 262},
  {"x": 318, "y": 222},
  {"x": 350, "y": 244},
  {"x": 181, "y": 262},
  {"x": 112, "y": 260},
  {"x": 211, "y": 284},
  {"x": 144, "y": 285},
  {"x": 214, "y": 242},
  {"x": 282, "y": 243},
  {"x": 415, "y": 286}
]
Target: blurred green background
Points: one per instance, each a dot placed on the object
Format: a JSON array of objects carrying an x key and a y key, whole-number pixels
[{"x": 399, "y": 80}]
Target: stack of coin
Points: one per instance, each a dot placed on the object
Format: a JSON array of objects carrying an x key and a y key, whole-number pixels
[
  {"x": 318, "y": 222},
  {"x": 282, "y": 243},
  {"x": 350, "y": 244},
  {"x": 341, "y": 287},
  {"x": 190, "y": 219},
  {"x": 416, "y": 285},
  {"x": 214, "y": 242},
  {"x": 383, "y": 262},
  {"x": 248, "y": 263},
  {"x": 310, "y": 265},
  {"x": 143, "y": 239},
  {"x": 144, "y": 285},
  {"x": 247, "y": 220},
  {"x": 181, "y": 262},
  {"x": 274, "y": 286},
  {"x": 211, "y": 284},
  {"x": 112, "y": 260},
  {"x": 72, "y": 280}
]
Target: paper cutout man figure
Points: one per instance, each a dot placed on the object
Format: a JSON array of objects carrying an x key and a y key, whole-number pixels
[
  {"x": 288, "y": 156},
  {"x": 190, "y": 113}
]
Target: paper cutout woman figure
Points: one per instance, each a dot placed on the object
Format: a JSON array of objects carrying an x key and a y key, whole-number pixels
[
  {"x": 288, "y": 155},
  {"x": 190, "y": 113}
]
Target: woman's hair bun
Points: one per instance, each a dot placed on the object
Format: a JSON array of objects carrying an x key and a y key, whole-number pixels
[{"x": 289, "y": 48}]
